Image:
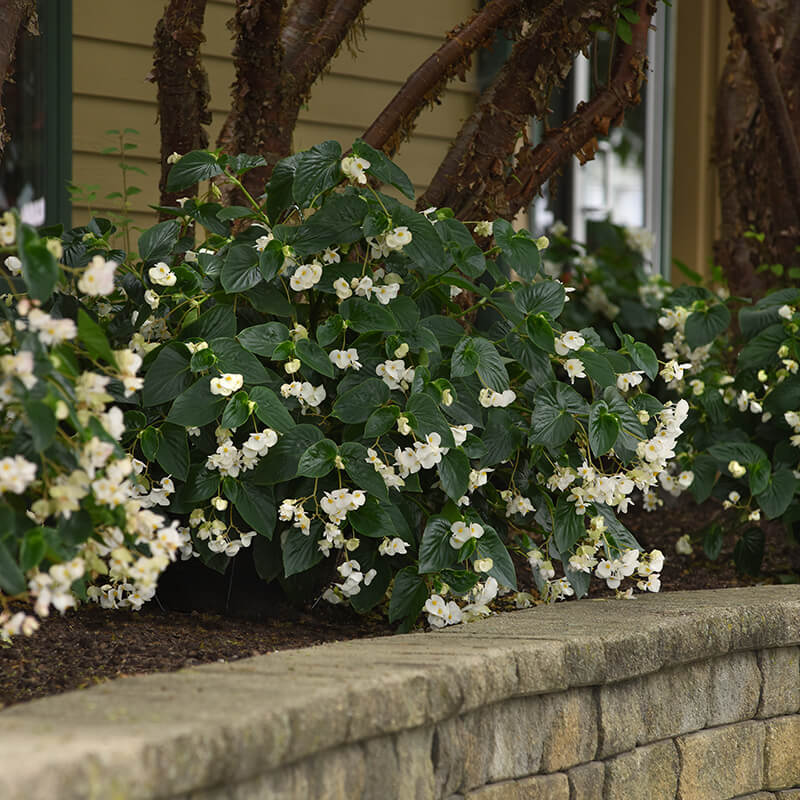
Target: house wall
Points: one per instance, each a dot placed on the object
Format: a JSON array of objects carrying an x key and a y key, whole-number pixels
[{"x": 112, "y": 57}]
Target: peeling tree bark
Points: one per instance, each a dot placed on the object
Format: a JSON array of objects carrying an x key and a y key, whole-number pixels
[
  {"x": 15, "y": 15},
  {"x": 182, "y": 86},
  {"x": 474, "y": 178}
]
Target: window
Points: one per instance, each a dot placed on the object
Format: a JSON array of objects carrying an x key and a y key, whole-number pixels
[{"x": 36, "y": 166}]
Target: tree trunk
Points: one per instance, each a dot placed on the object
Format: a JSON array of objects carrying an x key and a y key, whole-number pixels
[
  {"x": 756, "y": 147},
  {"x": 182, "y": 86},
  {"x": 14, "y": 16}
]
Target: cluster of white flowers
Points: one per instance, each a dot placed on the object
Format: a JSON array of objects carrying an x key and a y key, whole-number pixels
[
  {"x": 306, "y": 276},
  {"x": 567, "y": 341},
  {"x": 16, "y": 474},
  {"x": 98, "y": 278},
  {"x": 676, "y": 350},
  {"x": 598, "y": 302},
  {"x": 442, "y": 613},
  {"x": 423, "y": 455},
  {"x": 395, "y": 374},
  {"x": 461, "y": 533},
  {"x": 367, "y": 285},
  {"x": 50, "y": 330},
  {"x": 793, "y": 421},
  {"x": 393, "y": 547},
  {"x": 516, "y": 503},
  {"x": 226, "y": 384},
  {"x": 345, "y": 359},
  {"x": 305, "y": 392},
  {"x": 488, "y": 398},
  {"x": 230, "y": 460},
  {"x": 217, "y": 535},
  {"x": 385, "y": 244},
  {"x": 387, "y": 472}
]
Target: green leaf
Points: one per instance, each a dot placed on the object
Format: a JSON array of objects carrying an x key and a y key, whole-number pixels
[
  {"x": 533, "y": 359},
  {"x": 149, "y": 441},
  {"x": 705, "y": 475},
  {"x": 542, "y": 297},
  {"x": 775, "y": 499},
  {"x": 280, "y": 463},
  {"x": 279, "y": 188},
  {"x": 624, "y": 30},
  {"x": 255, "y": 504},
  {"x": 372, "y": 519},
  {"x": 425, "y": 248},
  {"x": 603, "y": 428},
  {"x": 645, "y": 359},
  {"x": 383, "y": 169},
  {"x": 435, "y": 552},
  {"x": 371, "y": 595},
  {"x": 475, "y": 354},
  {"x": 271, "y": 410},
  {"x": 748, "y": 552},
  {"x": 448, "y": 332},
  {"x": 270, "y": 260},
  {"x": 200, "y": 484},
  {"x": 597, "y": 367},
  {"x": 191, "y": 169},
  {"x": 232, "y": 357},
  {"x": 467, "y": 257},
  {"x": 40, "y": 270},
  {"x": 158, "y": 242},
  {"x": 318, "y": 459},
  {"x": 317, "y": 170},
  {"x": 762, "y": 351},
  {"x": 568, "y": 527},
  {"x": 366, "y": 317},
  {"x": 617, "y": 535},
  {"x": 330, "y": 330},
  {"x": 241, "y": 270},
  {"x": 337, "y": 222},
  {"x": 454, "y": 469},
  {"x": 460, "y": 581},
  {"x": 300, "y": 552},
  {"x": 702, "y": 327},
  {"x": 428, "y": 419},
  {"x": 12, "y": 580},
  {"x": 168, "y": 376},
  {"x": 312, "y": 355},
  {"x": 196, "y": 406},
  {"x": 409, "y": 594},
  {"x": 712, "y": 541},
  {"x": 219, "y": 321},
  {"x": 173, "y": 452},
  {"x": 491, "y": 546},
  {"x": 552, "y": 418},
  {"x": 356, "y": 404},
  {"x": 237, "y": 411},
  {"x": 380, "y": 421},
  {"x": 759, "y": 475},
  {"x": 520, "y": 252},
  {"x": 32, "y": 549},
  {"x": 501, "y": 437},
  {"x": 267, "y": 558},
  {"x": 362, "y": 473},
  {"x": 92, "y": 336},
  {"x": 42, "y": 423},
  {"x": 541, "y": 333},
  {"x": 262, "y": 339},
  {"x": 743, "y": 452}
]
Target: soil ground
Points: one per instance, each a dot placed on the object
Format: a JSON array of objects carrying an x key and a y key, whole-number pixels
[{"x": 91, "y": 645}]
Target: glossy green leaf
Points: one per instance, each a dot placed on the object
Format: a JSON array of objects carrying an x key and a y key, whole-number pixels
[
  {"x": 318, "y": 459},
  {"x": 271, "y": 410}
]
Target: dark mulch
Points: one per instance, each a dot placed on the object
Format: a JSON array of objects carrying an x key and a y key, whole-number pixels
[{"x": 91, "y": 645}]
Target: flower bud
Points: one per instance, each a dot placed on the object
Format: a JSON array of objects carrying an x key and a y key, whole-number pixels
[
  {"x": 220, "y": 503},
  {"x": 292, "y": 366}
]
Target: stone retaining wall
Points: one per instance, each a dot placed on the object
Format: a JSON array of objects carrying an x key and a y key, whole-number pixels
[{"x": 692, "y": 695}]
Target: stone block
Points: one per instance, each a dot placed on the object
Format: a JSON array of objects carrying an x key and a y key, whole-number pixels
[
  {"x": 788, "y": 794},
  {"x": 538, "y": 787},
  {"x": 734, "y": 689},
  {"x": 780, "y": 669},
  {"x": 782, "y": 753},
  {"x": 646, "y": 773},
  {"x": 586, "y": 781},
  {"x": 568, "y": 729},
  {"x": 722, "y": 762},
  {"x": 621, "y": 716}
]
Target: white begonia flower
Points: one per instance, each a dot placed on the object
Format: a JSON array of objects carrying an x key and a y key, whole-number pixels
[
  {"x": 292, "y": 366},
  {"x": 488, "y": 398},
  {"x": 447, "y": 398},
  {"x": 574, "y": 369},
  {"x": 683, "y": 547},
  {"x": 786, "y": 311},
  {"x": 162, "y": 275},
  {"x": 627, "y": 380},
  {"x": 342, "y": 289},
  {"x": 50, "y": 329},
  {"x": 226, "y": 384},
  {"x": 402, "y": 426},
  {"x": 98, "y": 278},
  {"x": 483, "y": 564},
  {"x": 312, "y": 395},
  {"x": 345, "y": 359},
  {"x": 386, "y": 293},
  {"x": 393, "y": 547},
  {"x": 398, "y": 238},
  {"x": 306, "y": 276},
  {"x": 330, "y": 255},
  {"x": 16, "y": 474},
  {"x": 736, "y": 469},
  {"x": 542, "y": 243},
  {"x": 354, "y": 168},
  {"x": 484, "y": 228},
  {"x": 460, "y": 433},
  {"x": 362, "y": 286},
  {"x": 395, "y": 374},
  {"x": 673, "y": 371},
  {"x": 151, "y": 298},
  {"x": 174, "y": 158},
  {"x": 754, "y": 516},
  {"x": 13, "y": 265},
  {"x": 569, "y": 340}
]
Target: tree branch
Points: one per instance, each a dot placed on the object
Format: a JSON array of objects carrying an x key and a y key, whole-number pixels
[
  {"x": 312, "y": 60},
  {"x": 748, "y": 24},
  {"x": 298, "y": 25},
  {"x": 472, "y": 180},
  {"x": 14, "y": 16},
  {"x": 576, "y": 136},
  {"x": 182, "y": 85},
  {"x": 397, "y": 120}
]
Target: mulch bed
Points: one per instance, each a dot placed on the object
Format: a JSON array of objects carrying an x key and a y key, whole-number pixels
[{"x": 92, "y": 645}]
